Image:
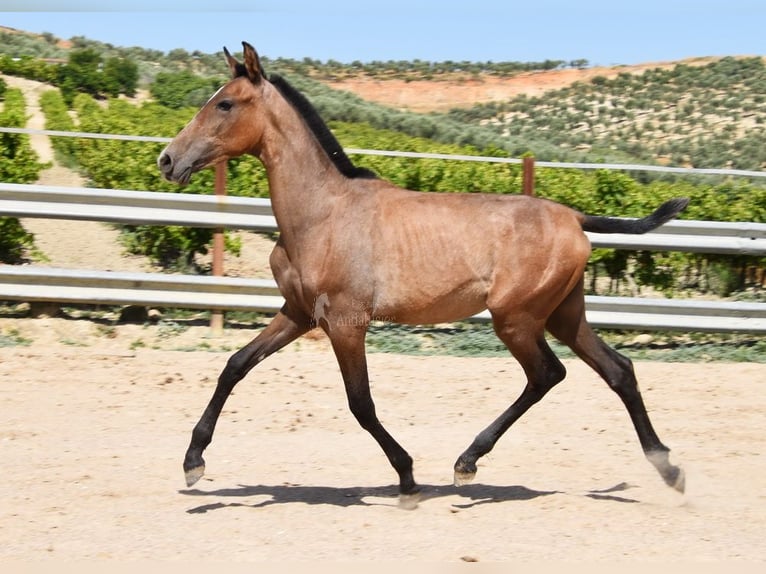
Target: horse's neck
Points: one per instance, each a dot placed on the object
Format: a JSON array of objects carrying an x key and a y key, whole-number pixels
[{"x": 302, "y": 178}]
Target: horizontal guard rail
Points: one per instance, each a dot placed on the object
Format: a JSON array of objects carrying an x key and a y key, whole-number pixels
[
  {"x": 83, "y": 286},
  {"x": 30, "y": 283},
  {"x": 255, "y": 214},
  {"x": 137, "y": 207}
]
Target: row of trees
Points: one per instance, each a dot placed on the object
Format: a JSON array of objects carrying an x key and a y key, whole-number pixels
[
  {"x": 182, "y": 89},
  {"x": 415, "y": 69},
  {"x": 18, "y": 164},
  {"x": 48, "y": 46},
  {"x": 85, "y": 72}
]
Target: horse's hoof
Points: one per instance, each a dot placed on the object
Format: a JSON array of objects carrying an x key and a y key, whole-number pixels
[
  {"x": 194, "y": 474},
  {"x": 674, "y": 476},
  {"x": 409, "y": 501},
  {"x": 462, "y": 478},
  {"x": 680, "y": 482}
]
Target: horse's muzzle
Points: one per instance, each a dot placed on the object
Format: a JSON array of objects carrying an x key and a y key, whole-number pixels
[{"x": 172, "y": 170}]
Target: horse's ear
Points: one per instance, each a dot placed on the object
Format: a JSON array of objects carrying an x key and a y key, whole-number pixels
[
  {"x": 251, "y": 69},
  {"x": 235, "y": 67},
  {"x": 253, "y": 64}
]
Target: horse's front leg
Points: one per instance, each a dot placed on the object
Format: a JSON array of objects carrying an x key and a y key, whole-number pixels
[
  {"x": 348, "y": 345},
  {"x": 283, "y": 329}
]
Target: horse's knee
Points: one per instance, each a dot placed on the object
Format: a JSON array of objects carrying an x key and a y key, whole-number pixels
[
  {"x": 364, "y": 413},
  {"x": 621, "y": 377},
  {"x": 236, "y": 368},
  {"x": 242, "y": 362},
  {"x": 231, "y": 371}
]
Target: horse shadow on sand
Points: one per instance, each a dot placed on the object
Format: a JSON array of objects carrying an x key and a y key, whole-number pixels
[{"x": 471, "y": 495}]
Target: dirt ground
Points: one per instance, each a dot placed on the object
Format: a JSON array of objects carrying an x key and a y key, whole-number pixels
[{"x": 93, "y": 433}]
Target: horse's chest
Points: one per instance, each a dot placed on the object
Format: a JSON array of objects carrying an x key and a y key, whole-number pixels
[{"x": 303, "y": 277}]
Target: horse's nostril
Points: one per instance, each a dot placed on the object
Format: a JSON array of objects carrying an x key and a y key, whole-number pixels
[{"x": 165, "y": 162}]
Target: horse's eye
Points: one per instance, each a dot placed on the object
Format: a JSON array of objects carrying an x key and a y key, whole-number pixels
[{"x": 224, "y": 105}]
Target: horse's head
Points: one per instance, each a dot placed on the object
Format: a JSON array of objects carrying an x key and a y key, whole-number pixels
[{"x": 221, "y": 129}]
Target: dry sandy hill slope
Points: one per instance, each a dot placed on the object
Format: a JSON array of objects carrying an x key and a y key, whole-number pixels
[{"x": 456, "y": 92}]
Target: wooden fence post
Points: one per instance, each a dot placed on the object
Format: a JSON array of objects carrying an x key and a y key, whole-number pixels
[
  {"x": 528, "y": 175},
  {"x": 216, "y": 317}
]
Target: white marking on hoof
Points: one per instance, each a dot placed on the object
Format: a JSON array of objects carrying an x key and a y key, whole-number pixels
[
  {"x": 659, "y": 458},
  {"x": 463, "y": 478},
  {"x": 409, "y": 501},
  {"x": 193, "y": 475}
]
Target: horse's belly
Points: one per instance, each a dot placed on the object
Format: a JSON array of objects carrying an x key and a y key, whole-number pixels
[{"x": 421, "y": 305}]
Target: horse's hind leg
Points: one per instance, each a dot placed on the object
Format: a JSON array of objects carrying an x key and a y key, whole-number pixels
[
  {"x": 543, "y": 370},
  {"x": 282, "y": 330},
  {"x": 568, "y": 324}
]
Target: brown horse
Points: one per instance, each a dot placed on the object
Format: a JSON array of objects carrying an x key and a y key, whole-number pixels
[{"x": 353, "y": 248}]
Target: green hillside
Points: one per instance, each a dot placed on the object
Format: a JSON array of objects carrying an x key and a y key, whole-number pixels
[{"x": 711, "y": 116}]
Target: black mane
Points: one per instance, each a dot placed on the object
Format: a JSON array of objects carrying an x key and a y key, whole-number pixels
[{"x": 327, "y": 140}]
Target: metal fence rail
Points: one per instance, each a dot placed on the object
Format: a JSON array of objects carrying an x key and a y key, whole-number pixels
[
  {"x": 670, "y": 237},
  {"x": 72, "y": 286},
  {"x": 254, "y": 214},
  {"x": 136, "y": 207}
]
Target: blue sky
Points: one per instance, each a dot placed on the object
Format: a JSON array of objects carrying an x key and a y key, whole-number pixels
[{"x": 604, "y": 33}]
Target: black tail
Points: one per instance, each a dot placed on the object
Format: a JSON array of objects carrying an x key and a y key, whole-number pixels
[{"x": 663, "y": 214}]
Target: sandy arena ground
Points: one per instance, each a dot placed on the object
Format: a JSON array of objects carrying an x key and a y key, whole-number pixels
[{"x": 93, "y": 434}]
